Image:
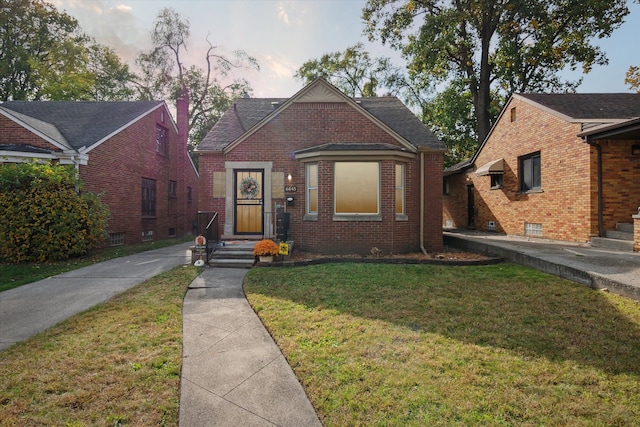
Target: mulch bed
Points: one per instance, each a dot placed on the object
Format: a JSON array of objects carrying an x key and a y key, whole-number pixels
[{"x": 449, "y": 256}]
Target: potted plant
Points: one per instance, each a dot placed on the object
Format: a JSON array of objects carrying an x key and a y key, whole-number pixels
[{"x": 266, "y": 249}]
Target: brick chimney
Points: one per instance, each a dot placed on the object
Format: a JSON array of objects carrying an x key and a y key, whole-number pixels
[{"x": 182, "y": 112}]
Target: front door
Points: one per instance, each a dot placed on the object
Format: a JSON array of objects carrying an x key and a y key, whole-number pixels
[{"x": 249, "y": 206}]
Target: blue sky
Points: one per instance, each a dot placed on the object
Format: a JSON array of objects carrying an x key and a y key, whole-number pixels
[{"x": 282, "y": 35}]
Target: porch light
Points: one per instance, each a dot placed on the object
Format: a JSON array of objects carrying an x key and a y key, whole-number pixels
[{"x": 289, "y": 177}]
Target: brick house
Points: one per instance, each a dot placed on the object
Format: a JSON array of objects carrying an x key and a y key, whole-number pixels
[
  {"x": 558, "y": 166},
  {"x": 133, "y": 153},
  {"x": 331, "y": 173}
]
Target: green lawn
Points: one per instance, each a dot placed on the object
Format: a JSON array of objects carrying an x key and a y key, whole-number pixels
[
  {"x": 437, "y": 345},
  {"x": 117, "y": 364}
]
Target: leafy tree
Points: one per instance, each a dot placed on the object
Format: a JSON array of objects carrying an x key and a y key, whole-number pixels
[
  {"x": 495, "y": 45},
  {"x": 163, "y": 74},
  {"x": 43, "y": 217},
  {"x": 633, "y": 78},
  {"x": 45, "y": 56},
  {"x": 353, "y": 71}
]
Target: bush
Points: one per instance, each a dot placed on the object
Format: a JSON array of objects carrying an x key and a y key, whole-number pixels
[{"x": 43, "y": 215}]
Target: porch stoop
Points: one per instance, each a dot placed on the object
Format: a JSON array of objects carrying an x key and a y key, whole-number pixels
[
  {"x": 233, "y": 256},
  {"x": 621, "y": 238}
]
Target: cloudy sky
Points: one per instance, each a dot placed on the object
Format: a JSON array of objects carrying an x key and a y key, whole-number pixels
[{"x": 282, "y": 35}]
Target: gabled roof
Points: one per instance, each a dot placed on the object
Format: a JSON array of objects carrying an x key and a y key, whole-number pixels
[
  {"x": 77, "y": 124},
  {"x": 248, "y": 114},
  {"x": 587, "y": 107}
]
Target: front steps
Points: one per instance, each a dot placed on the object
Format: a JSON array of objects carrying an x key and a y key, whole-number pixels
[
  {"x": 620, "y": 239},
  {"x": 233, "y": 256}
]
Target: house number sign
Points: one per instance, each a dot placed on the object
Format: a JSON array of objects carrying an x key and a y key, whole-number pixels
[{"x": 290, "y": 189}]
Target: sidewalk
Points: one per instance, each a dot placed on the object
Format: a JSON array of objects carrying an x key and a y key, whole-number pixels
[
  {"x": 233, "y": 373},
  {"x": 35, "y": 307},
  {"x": 598, "y": 268}
]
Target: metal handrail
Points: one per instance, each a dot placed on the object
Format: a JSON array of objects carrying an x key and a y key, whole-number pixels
[{"x": 213, "y": 224}]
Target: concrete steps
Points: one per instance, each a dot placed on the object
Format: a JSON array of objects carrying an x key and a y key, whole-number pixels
[
  {"x": 620, "y": 239},
  {"x": 233, "y": 256}
]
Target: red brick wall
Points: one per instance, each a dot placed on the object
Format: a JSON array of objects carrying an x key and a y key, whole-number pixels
[
  {"x": 117, "y": 166},
  {"x": 621, "y": 182},
  {"x": 454, "y": 205},
  {"x": 115, "y": 170},
  {"x": 565, "y": 205},
  {"x": 12, "y": 133},
  {"x": 304, "y": 125}
]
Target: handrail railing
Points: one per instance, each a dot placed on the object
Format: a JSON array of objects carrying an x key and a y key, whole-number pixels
[
  {"x": 212, "y": 235},
  {"x": 209, "y": 231}
]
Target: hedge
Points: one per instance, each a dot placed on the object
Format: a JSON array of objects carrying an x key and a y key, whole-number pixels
[{"x": 44, "y": 216}]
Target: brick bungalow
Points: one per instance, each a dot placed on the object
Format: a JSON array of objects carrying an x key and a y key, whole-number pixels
[
  {"x": 558, "y": 166},
  {"x": 133, "y": 153},
  {"x": 331, "y": 173}
]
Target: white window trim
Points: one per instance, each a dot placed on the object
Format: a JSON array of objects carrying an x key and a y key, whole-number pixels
[{"x": 308, "y": 214}]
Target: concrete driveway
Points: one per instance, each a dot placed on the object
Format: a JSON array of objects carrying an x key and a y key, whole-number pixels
[{"x": 35, "y": 307}]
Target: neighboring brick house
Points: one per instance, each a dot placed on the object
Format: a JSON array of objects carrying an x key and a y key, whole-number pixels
[
  {"x": 358, "y": 173},
  {"x": 132, "y": 153},
  {"x": 538, "y": 171}
]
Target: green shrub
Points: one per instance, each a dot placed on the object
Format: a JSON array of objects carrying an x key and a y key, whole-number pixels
[{"x": 44, "y": 216}]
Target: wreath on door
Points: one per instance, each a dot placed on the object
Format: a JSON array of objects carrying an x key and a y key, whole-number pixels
[{"x": 249, "y": 188}]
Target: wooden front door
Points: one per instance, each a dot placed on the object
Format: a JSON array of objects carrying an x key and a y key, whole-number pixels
[{"x": 249, "y": 203}]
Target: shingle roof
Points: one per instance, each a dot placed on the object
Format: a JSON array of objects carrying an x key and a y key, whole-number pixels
[
  {"x": 79, "y": 123},
  {"x": 247, "y": 112},
  {"x": 590, "y": 106}
]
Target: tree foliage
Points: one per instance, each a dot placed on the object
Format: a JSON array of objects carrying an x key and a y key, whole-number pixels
[
  {"x": 633, "y": 78},
  {"x": 495, "y": 46},
  {"x": 42, "y": 215},
  {"x": 44, "y": 55},
  {"x": 163, "y": 74},
  {"x": 353, "y": 71}
]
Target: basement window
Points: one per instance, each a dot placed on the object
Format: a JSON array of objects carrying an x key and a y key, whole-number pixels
[
  {"x": 532, "y": 229},
  {"x": 116, "y": 239}
]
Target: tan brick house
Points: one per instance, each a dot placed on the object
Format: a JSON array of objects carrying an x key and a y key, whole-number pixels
[
  {"x": 558, "y": 166},
  {"x": 133, "y": 153},
  {"x": 331, "y": 173}
]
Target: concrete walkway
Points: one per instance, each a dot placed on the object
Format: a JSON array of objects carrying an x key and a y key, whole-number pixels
[
  {"x": 233, "y": 374},
  {"x": 598, "y": 268},
  {"x": 35, "y": 307}
]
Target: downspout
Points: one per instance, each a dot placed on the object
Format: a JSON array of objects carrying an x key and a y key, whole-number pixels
[
  {"x": 598, "y": 148},
  {"x": 424, "y": 251}
]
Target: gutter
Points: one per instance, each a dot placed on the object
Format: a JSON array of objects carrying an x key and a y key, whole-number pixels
[
  {"x": 424, "y": 251},
  {"x": 598, "y": 148}
]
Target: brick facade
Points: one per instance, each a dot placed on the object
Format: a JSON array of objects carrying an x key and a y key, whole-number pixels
[
  {"x": 566, "y": 205},
  {"x": 310, "y": 124},
  {"x": 115, "y": 169}
]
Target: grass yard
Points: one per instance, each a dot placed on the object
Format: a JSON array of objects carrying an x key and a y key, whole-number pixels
[
  {"x": 116, "y": 364},
  {"x": 377, "y": 344}
]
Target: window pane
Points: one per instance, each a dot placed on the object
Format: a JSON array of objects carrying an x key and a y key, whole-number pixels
[
  {"x": 530, "y": 168},
  {"x": 399, "y": 202},
  {"x": 399, "y": 189},
  {"x": 535, "y": 171},
  {"x": 312, "y": 189},
  {"x": 313, "y": 201},
  {"x": 356, "y": 187},
  {"x": 313, "y": 176}
]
